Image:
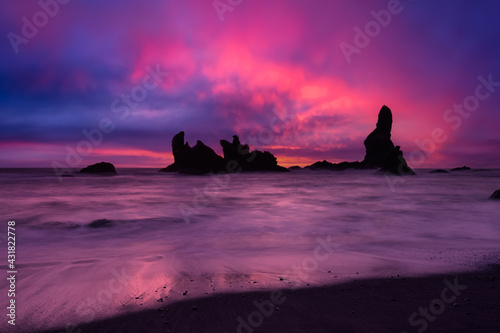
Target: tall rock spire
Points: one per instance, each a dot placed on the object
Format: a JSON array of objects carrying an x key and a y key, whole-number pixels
[{"x": 378, "y": 143}]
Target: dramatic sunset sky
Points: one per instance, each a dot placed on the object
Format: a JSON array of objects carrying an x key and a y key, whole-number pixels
[{"x": 226, "y": 76}]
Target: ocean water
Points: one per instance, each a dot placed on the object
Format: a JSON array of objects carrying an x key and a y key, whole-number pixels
[{"x": 176, "y": 236}]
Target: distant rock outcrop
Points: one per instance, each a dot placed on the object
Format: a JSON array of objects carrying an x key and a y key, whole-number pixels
[
  {"x": 325, "y": 165},
  {"x": 100, "y": 168},
  {"x": 438, "y": 171},
  {"x": 202, "y": 159},
  {"x": 380, "y": 151},
  {"x": 101, "y": 223},
  {"x": 464, "y": 168},
  {"x": 495, "y": 195}
]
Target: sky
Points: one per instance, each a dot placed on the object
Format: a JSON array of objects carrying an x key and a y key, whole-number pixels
[{"x": 88, "y": 81}]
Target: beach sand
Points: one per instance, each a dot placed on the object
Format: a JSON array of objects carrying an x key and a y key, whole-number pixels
[{"x": 461, "y": 302}]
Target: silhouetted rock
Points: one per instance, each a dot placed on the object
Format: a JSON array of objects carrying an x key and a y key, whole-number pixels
[
  {"x": 100, "y": 168},
  {"x": 325, "y": 165},
  {"x": 464, "y": 168},
  {"x": 295, "y": 168},
  {"x": 101, "y": 223},
  {"x": 235, "y": 152},
  {"x": 199, "y": 159},
  {"x": 438, "y": 171},
  {"x": 396, "y": 164},
  {"x": 202, "y": 159},
  {"x": 380, "y": 151},
  {"x": 495, "y": 195},
  {"x": 378, "y": 143}
]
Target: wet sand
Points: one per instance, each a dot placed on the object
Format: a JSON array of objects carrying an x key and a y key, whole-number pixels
[{"x": 461, "y": 302}]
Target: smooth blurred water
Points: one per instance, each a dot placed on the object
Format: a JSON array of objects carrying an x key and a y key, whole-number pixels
[{"x": 167, "y": 229}]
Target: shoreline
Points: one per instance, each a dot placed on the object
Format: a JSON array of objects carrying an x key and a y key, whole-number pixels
[{"x": 456, "y": 302}]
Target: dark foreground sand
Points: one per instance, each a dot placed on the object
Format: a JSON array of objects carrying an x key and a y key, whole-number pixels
[{"x": 376, "y": 305}]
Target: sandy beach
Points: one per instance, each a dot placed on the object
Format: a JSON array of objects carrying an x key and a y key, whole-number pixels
[{"x": 460, "y": 302}]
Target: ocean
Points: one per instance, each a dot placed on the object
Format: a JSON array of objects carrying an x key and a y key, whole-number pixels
[{"x": 173, "y": 236}]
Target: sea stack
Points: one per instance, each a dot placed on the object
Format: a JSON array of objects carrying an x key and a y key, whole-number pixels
[
  {"x": 249, "y": 160},
  {"x": 381, "y": 152},
  {"x": 202, "y": 159},
  {"x": 464, "y": 168},
  {"x": 438, "y": 171},
  {"x": 103, "y": 168},
  {"x": 378, "y": 144},
  {"x": 199, "y": 159}
]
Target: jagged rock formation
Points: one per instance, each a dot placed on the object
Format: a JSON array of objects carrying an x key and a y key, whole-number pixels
[
  {"x": 380, "y": 151},
  {"x": 464, "y": 168},
  {"x": 100, "y": 168},
  {"x": 199, "y": 159},
  {"x": 249, "y": 161},
  {"x": 202, "y": 159},
  {"x": 325, "y": 165}
]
